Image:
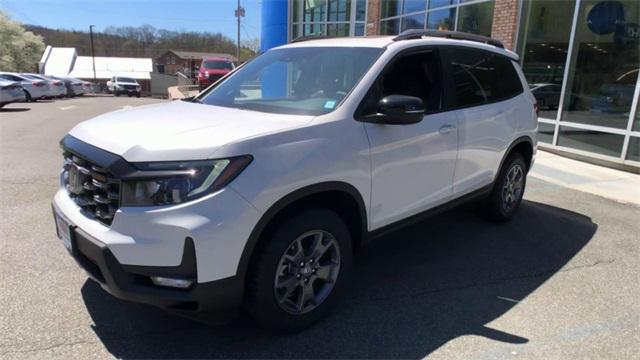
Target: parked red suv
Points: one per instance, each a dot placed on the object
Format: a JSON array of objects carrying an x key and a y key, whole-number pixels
[{"x": 212, "y": 69}]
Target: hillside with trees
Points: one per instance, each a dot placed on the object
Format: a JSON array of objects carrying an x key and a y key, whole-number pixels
[{"x": 141, "y": 41}]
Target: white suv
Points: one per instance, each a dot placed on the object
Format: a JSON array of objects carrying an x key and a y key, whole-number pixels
[
  {"x": 119, "y": 85},
  {"x": 256, "y": 193}
]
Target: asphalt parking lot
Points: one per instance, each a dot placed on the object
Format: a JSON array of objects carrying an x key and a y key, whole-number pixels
[{"x": 560, "y": 281}]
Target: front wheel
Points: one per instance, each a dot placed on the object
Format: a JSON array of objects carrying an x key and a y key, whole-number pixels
[
  {"x": 508, "y": 189},
  {"x": 301, "y": 272}
]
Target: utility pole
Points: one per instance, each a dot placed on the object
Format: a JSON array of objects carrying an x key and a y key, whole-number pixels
[
  {"x": 93, "y": 54},
  {"x": 239, "y": 14}
]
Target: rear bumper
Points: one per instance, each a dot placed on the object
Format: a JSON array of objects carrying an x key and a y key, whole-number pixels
[{"x": 217, "y": 300}]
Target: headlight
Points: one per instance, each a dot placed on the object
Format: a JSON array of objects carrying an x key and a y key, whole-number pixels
[{"x": 165, "y": 183}]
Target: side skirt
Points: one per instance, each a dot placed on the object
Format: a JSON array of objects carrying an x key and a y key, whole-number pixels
[{"x": 474, "y": 195}]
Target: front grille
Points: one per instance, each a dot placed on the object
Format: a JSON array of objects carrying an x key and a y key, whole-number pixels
[
  {"x": 92, "y": 188},
  {"x": 213, "y": 78},
  {"x": 130, "y": 87}
]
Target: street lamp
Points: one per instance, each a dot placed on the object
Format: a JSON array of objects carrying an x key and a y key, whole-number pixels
[{"x": 93, "y": 55}]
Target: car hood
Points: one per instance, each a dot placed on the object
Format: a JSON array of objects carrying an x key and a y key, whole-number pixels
[{"x": 178, "y": 130}]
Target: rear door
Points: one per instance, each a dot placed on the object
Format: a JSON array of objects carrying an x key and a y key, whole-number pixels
[{"x": 483, "y": 87}]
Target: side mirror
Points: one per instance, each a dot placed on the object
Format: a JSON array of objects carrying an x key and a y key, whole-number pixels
[{"x": 398, "y": 110}]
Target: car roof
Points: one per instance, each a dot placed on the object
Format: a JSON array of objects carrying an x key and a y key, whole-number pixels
[
  {"x": 7, "y": 82},
  {"x": 388, "y": 42}
]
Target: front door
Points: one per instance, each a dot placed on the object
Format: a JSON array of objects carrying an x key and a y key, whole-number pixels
[{"x": 412, "y": 165}]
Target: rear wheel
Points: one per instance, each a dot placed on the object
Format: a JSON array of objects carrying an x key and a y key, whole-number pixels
[
  {"x": 138, "y": 95},
  {"x": 301, "y": 272},
  {"x": 28, "y": 96},
  {"x": 508, "y": 189},
  {"x": 116, "y": 93}
]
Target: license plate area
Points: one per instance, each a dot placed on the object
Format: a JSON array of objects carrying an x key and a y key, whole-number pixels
[{"x": 63, "y": 229}]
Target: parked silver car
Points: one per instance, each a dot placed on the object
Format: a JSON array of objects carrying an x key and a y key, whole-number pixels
[
  {"x": 34, "y": 89},
  {"x": 56, "y": 87},
  {"x": 11, "y": 91}
]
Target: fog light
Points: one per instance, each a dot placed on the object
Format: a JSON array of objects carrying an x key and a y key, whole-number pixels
[{"x": 171, "y": 282}]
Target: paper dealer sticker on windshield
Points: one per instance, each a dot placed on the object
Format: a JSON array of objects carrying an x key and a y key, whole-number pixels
[{"x": 329, "y": 104}]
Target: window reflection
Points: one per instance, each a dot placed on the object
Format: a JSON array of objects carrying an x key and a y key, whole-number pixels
[
  {"x": 592, "y": 141},
  {"x": 390, "y": 27},
  {"x": 604, "y": 68},
  {"x": 413, "y": 22},
  {"x": 476, "y": 18},
  {"x": 545, "y": 29},
  {"x": 442, "y": 19}
]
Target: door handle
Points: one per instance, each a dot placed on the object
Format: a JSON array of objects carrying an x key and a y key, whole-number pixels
[{"x": 445, "y": 129}]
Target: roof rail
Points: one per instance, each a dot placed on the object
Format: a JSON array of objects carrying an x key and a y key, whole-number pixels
[{"x": 417, "y": 34}]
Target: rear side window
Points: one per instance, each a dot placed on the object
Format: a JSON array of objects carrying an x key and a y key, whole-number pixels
[
  {"x": 508, "y": 82},
  {"x": 481, "y": 77}
]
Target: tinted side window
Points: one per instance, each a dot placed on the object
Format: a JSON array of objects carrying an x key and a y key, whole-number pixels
[
  {"x": 472, "y": 74},
  {"x": 508, "y": 82},
  {"x": 482, "y": 77},
  {"x": 417, "y": 74}
]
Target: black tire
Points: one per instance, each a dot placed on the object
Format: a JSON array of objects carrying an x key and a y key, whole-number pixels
[
  {"x": 28, "y": 96},
  {"x": 129, "y": 94},
  {"x": 137, "y": 95},
  {"x": 504, "y": 200},
  {"x": 116, "y": 93},
  {"x": 261, "y": 287}
]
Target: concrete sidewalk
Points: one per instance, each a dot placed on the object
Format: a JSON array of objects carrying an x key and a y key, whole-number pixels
[{"x": 598, "y": 180}]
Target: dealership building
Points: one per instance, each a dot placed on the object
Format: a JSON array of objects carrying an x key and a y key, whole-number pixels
[{"x": 581, "y": 57}]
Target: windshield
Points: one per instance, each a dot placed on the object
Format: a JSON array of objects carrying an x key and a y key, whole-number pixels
[
  {"x": 125, "y": 80},
  {"x": 305, "y": 80},
  {"x": 218, "y": 65}
]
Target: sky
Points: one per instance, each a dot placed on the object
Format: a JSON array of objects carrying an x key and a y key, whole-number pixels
[{"x": 190, "y": 15}]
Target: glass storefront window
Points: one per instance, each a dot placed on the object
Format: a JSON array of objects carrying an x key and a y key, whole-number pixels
[
  {"x": 313, "y": 29},
  {"x": 361, "y": 10},
  {"x": 328, "y": 17},
  {"x": 338, "y": 29},
  {"x": 413, "y": 22},
  {"x": 411, "y": 6},
  {"x": 476, "y": 18},
  {"x": 545, "y": 28},
  {"x": 440, "y": 3},
  {"x": 314, "y": 10},
  {"x": 295, "y": 11},
  {"x": 391, "y": 8},
  {"x": 592, "y": 141},
  {"x": 605, "y": 62},
  {"x": 339, "y": 10},
  {"x": 441, "y": 19},
  {"x": 633, "y": 152},
  {"x": 390, "y": 27},
  {"x": 545, "y": 132}
]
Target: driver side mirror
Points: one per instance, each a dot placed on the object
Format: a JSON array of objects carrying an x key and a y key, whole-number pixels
[{"x": 398, "y": 110}]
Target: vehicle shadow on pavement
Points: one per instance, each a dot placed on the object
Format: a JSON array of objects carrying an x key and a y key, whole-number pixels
[
  {"x": 413, "y": 291},
  {"x": 2, "y": 110}
]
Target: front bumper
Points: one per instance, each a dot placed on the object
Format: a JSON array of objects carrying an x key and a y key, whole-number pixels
[{"x": 215, "y": 300}]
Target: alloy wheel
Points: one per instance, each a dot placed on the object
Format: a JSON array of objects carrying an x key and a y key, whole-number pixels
[
  {"x": 513, "y": 186},
  {"x": 307, "y": 272}
]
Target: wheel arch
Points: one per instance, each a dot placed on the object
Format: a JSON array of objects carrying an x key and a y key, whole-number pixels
[
  {"x": 341, "y": 197},
  {"x": 522, "y": 145}
]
